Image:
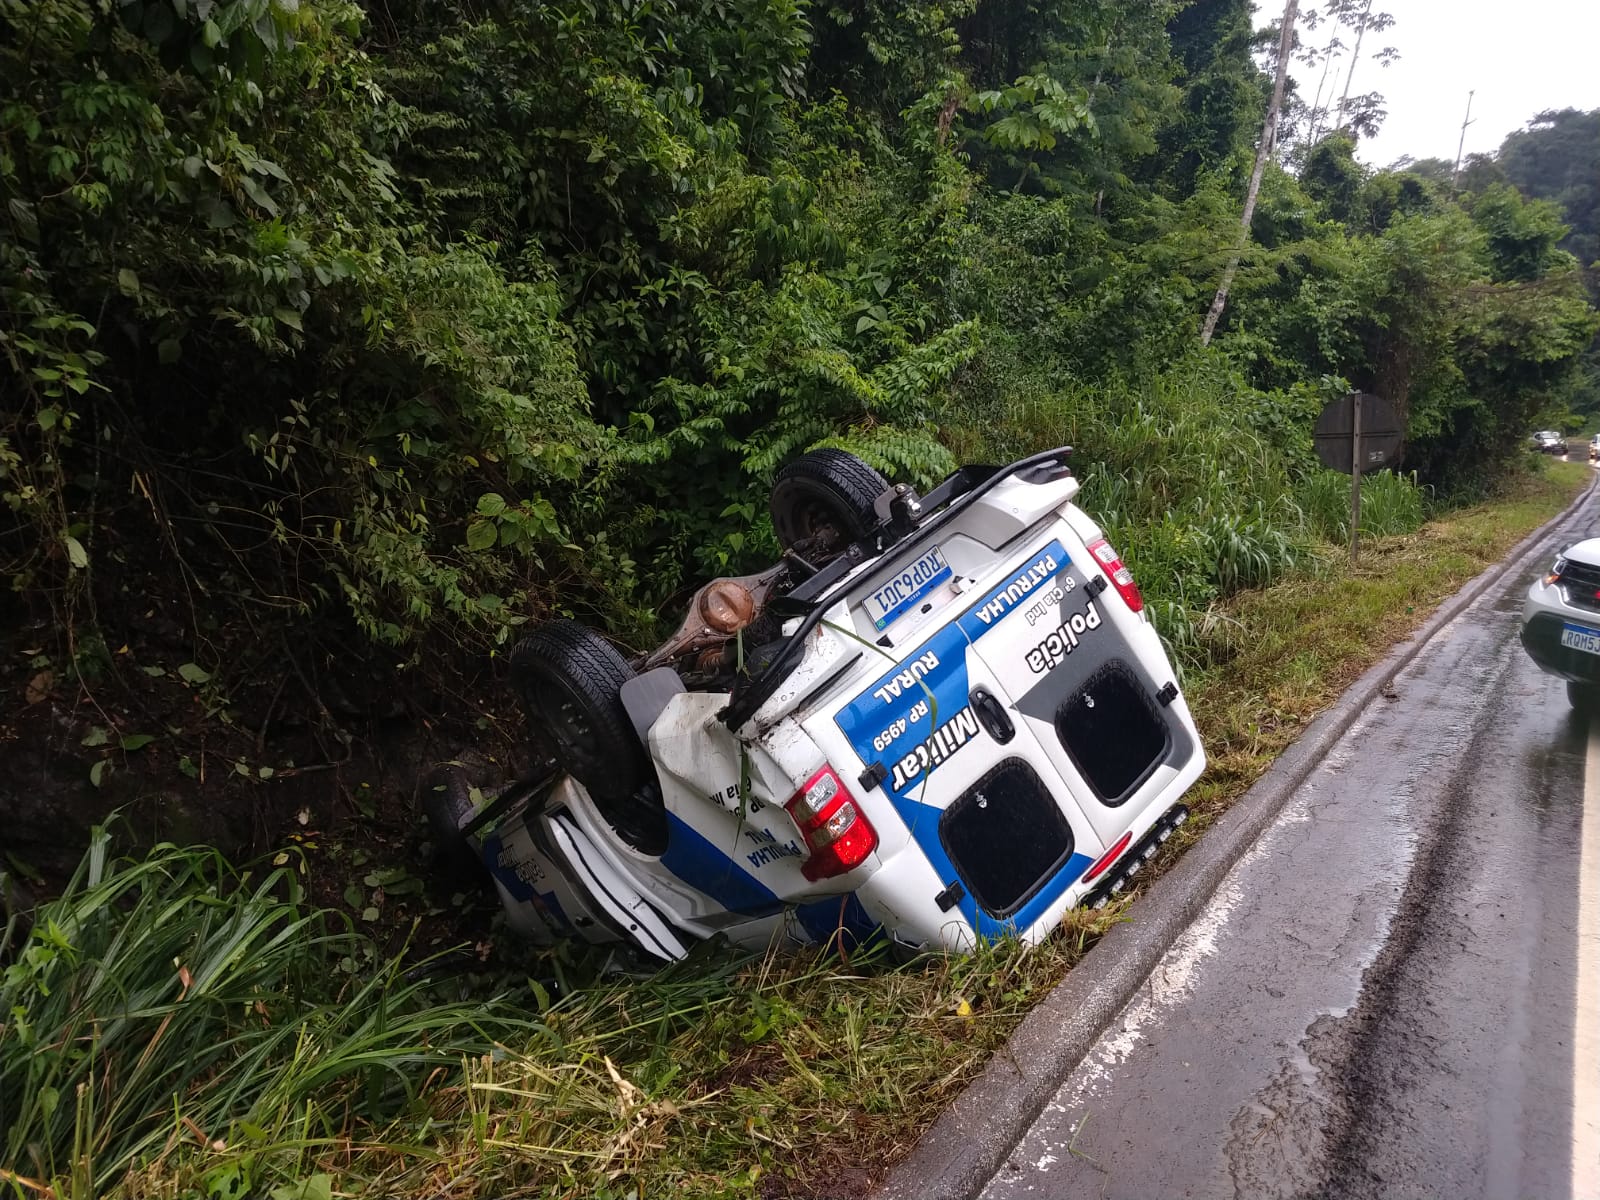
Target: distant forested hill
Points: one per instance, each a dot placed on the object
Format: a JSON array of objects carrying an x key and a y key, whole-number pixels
[{"x": 1557, "y": 158}]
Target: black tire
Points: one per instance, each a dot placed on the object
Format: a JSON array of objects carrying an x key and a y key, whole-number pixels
[
  {"x": 446, "y": 798},
  {"x": 17, "y": 906},
  {"x": 570, "y": 681},
  {"x": 828, "y": 493},
  {"x": 1584, "y": 697}
]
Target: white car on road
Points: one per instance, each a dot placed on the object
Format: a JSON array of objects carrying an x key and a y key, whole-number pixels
[{"x": 1561, "y": 622}]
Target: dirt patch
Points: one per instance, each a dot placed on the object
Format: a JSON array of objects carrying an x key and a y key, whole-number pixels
[
  {"x": 255, "y": 734},
  {"x": 826, "y": 1176}
]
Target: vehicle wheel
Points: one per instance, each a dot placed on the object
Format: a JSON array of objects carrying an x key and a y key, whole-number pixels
[
  {"x": 17, "y": 906},
  {"x": 824, "y": 498},
  {"x": 446, "y": 798},
  {"x": 570, "y": 680},
  {"x": 1585, "y": 697}
]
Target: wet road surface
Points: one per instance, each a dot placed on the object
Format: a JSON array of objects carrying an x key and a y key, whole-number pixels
[{"x": 1384, "y": 997}]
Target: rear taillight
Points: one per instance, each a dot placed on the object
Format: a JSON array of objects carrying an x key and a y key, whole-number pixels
[
  {"x": 836, "y": 832},
  {"x": 1106, "y": 859},
  {"x": 1121, "y": 577}
]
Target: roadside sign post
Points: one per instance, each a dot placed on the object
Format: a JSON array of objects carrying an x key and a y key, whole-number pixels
[
  {"x": 1355, "y": 475},
  {"x": 1355, "y": 433}
]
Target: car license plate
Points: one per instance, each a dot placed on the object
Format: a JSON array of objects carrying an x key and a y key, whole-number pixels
[
  {"x": 1580, "y": 637},
  {"x": 898, "y": 593}
]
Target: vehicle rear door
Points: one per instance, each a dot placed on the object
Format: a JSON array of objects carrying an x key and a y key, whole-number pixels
[
  {"x": 979, "y": 793},
  {"x": 1072, "y": 664}
]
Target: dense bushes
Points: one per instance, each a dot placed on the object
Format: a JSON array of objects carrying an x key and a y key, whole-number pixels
[
  {"x": 447, "y": 330},
  {"x": 442, "y": 318}
]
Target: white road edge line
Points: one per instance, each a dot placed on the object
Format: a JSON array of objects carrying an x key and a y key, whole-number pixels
[{"x": 1586, "y": 1011}]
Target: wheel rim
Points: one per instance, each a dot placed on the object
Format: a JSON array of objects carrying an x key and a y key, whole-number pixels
[
  {"x": 562, "y": 712},
  {"x": 814, "y": 518}
]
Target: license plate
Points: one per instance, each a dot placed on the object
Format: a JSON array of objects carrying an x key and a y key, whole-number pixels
[
  {"x": 898, "y": 593},
  {"x": 1579, "y": 637}
]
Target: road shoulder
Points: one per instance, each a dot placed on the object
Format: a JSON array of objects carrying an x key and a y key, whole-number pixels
[{"x": 963, "y": 1149}]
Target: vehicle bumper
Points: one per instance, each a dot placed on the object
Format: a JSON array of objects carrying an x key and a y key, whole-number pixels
[
  {"x": 902, "y": 894},
  {"x": 1541, "y": 638}
]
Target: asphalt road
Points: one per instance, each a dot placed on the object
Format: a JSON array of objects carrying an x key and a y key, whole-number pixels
[{"x": 1396, "y": 992}]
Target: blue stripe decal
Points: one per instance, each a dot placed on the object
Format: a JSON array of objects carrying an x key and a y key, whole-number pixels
[
  {"x": 822, "y": 919},
  {"x": 519, "y": 888},
  {"x": 899, "y": 712},
  {"x": 993, "y": 608},
  {"x": 491, "y": 850},
  {"x": 914, "y": 716},
  {"x": 706, "y": 869},
  {"x": 553, "y": 909}
]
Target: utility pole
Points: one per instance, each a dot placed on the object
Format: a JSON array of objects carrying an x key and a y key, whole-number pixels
[
  {"x": 1455, "y": 175},
  {"x": 1269, "y": 136}
]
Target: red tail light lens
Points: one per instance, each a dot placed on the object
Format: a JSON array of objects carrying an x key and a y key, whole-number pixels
[
  {"x": 1106, "y": 859},
  {"x": 1121, "y": 577},
  {"x": 838, "y": 835}
]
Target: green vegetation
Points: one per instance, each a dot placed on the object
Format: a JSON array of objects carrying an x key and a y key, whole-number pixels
[
  {"x": 1277, "y": 657},
  {"x": 1557, "y": 158},
  {"x": 179, "y": 1029},
  {"x": 435, "y": 319},
  {"x": 172, "y": 1002},
  {"x": 337, "y": 336}
]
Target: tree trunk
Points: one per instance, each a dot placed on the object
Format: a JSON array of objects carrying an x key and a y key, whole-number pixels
[
  {"x": 1317, "y": 111},
  {"x": 1355, "y": 55},
  {"x": 1269, "y": 135}
]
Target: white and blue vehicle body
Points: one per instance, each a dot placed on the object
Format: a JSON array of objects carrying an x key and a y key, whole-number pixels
[{"x": 971, "y": 727}]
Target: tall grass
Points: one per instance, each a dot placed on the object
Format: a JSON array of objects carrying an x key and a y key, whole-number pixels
[
  {"x": 1198, "y": 500},
  {"x": 174, "y": 1002},
  {"x": 175, "y": 1028},
  {"x": 1207, "y": 486},
  {"x": 1391, "y": 504}
]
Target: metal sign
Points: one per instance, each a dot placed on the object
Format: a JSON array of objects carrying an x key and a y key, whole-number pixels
[
  {"x": 1382, "y": 433},
  {"x": 1355, "y": 433}
]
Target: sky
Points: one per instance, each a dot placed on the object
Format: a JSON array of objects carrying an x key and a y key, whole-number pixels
[{"x": 1520, "y": 58}]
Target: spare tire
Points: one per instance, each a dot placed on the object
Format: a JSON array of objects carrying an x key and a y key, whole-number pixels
[
  {"x": 824, "y": 499},
  {"x": 570, "y": 681}
]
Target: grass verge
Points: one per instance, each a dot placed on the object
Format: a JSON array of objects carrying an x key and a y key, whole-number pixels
[
  {"x": 176, "y": 1029},
  {"x": 1279, "y": 656}
]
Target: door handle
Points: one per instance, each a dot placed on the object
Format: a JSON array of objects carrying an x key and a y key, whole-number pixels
[{"x": 992, "y": 715}]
